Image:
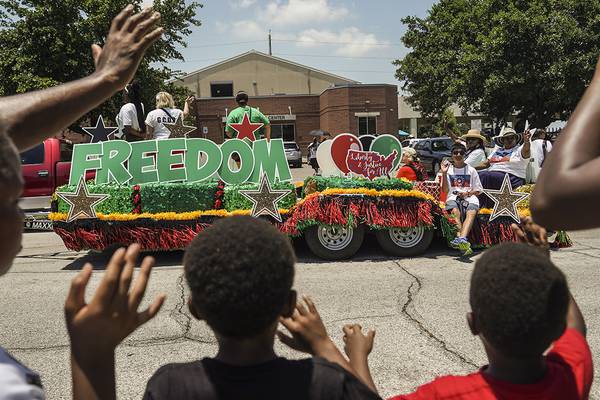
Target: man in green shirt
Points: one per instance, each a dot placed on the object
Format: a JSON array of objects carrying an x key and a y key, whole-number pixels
[{"x": 237, "y": 115}]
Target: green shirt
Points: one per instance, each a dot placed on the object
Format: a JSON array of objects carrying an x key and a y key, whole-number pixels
[{"x": 236, "y": 116}]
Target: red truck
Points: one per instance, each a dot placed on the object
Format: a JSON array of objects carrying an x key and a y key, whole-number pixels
[{"x": 45, "y": 167}]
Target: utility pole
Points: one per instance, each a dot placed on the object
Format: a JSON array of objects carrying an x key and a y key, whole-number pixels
[{"x": 270, "y": 47}]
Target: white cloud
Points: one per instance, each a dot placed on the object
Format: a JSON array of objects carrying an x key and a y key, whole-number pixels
[
  {"x": 352, "y": 41},
  {"x": 301, "y": 12},
  {"x": 242, "y": 3},
  {"x": 246, "y": 29}
]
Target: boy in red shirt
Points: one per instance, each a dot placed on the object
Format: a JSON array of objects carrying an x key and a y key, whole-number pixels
[{"x": 521, "y": 306}]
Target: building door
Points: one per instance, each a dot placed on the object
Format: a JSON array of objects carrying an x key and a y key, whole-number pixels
[{"x": 287, "y": 132}]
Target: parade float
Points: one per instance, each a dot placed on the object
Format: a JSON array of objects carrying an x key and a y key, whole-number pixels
[{"x": 162, "y": 193}]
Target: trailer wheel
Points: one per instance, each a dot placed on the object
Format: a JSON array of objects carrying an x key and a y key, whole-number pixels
[
  {"x": 331, "y": 242},
  {"x": 405, "y": 242}
]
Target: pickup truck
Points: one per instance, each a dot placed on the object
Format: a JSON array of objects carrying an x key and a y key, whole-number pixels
[{"x": 44, "y": 167}]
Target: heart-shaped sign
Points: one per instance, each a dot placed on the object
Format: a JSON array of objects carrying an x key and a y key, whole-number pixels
[{"x": 340, "y": 147}]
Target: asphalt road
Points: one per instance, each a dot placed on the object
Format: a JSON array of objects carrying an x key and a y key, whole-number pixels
[{"x": 417, "y": 306}]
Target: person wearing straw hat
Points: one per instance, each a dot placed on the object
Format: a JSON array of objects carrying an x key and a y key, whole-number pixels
[
  {"x": 475, "y": 143},
  {"x": 507, "y": 158}
]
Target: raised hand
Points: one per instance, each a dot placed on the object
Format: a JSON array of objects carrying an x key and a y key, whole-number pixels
[
  {"x": 308, "y": 333},
  {"x": 96, "y": 329},
  {"x": 526, "y": 136},
  {"x": 445, "y": 166},
  {"x": 357, "y": 346},
  {"x": 531, "y": 233},
  {"x": 128, "y": 39}
]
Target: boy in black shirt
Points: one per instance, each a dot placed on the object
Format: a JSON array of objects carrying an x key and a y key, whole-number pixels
[
  {"x": 240, "y": 272},
  {"x": 242, "y": 287}
]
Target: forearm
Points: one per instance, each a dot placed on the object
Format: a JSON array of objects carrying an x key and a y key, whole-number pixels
[
  {"x": 571, "y": 173},
  {"x": 331, "y": 353},
  {"x": 96, "y": 381},
  {"x": 575, "y": 318},
  {"x": 444, "y": 183},
  {"x": 32, "y": 117},
  {"x": 268, "y": 132},
  {"x": 186, "y": 110},
  {"x": 526, "y": 150},
  {"x": 361, "y": 366},
  {"x": 128, "y": 130}
]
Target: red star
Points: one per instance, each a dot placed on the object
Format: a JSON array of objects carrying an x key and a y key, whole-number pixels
[{"x": 246, "y": 129}]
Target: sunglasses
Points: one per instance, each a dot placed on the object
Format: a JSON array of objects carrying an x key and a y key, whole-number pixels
[{"x": 458, "y": 153}]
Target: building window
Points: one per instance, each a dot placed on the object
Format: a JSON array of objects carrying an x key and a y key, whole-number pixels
[
  {"x": 367, "y": 126},
  {"x": 221, "y": 89},
  {"x": 285, "y": 131}
]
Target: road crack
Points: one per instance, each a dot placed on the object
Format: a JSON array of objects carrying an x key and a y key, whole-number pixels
[{"x": 412, "y": 291}]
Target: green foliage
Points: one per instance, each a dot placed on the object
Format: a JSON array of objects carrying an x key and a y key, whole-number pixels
[
  {"x": 531, "y": 57},
  {"x": 118, "y": 202},
  {"x": 47, "y": 42},
  {"x": 233, "y": 200},
  {"x": 177, "y": 197},
  {"x": 323, "y": 183}
]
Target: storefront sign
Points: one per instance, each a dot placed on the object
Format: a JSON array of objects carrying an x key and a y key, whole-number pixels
[{"x": 180, "y": 160}]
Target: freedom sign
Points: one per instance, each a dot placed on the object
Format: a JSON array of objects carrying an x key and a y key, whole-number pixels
[{"x": 180, "y": 160}]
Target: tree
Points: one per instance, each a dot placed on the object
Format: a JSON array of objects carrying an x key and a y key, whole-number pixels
[
  {"x": 501, "y": 57},
  {"x": 47, "y": 42}
]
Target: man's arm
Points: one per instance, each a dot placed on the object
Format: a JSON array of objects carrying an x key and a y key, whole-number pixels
[
  {"x": 535, "y": 235},
  {"x": 526, "y": 149},
  {"x": 268, "y": 132},
  {"x": 571, "y": 172},
  {"x": 358, "y": 346},
  {"x": 30, "y": 118}
]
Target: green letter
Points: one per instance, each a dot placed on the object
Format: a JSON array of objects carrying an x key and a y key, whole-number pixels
[
  {"x": 166, "y": 159},
  {"x": 202, "y": 160},
  {"x": 81, "y": 161},
  {"x": 246, "y": 162},
  {"x": 142, "y": 163},
  {"x": 270, "y": 159},
  {"x": 115, "y": 155}
]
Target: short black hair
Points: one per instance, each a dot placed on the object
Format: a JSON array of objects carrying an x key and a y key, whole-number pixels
[
  {"x": 240, "y": 272},
  {"x": 458, "y": 146},
  {"x": 520, "y": 299},
  {"x": 241, "y": 97}
]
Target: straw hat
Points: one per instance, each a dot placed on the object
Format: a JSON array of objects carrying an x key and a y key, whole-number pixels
[
  {"x": 506, "y": 132},
  {"x": 474, "y": 134}
]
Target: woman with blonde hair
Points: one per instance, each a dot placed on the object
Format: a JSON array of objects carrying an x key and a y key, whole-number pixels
[
  {"x": 412, "y": 170},
  {"x": 165, "y": 113}
]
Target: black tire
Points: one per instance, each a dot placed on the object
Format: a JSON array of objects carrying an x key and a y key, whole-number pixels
[
  {"x": 299, "y": 164},
  {"x": 405, "y": 242},
  {"x": 342, "y": 246}
]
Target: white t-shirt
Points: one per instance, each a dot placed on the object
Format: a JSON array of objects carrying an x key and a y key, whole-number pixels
[
  {"x": 127, "y": 116},
  {"x": 18, "y": 382},
  {"x": 157, "y": 119},
  {"x": 476, "y": 158},
  {"x": 509, "y": 161},
  {"x": 537, "y": 151},
  {"x": 465, "y": 179}
]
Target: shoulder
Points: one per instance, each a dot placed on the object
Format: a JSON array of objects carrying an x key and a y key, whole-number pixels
[
  {"x": 333, "y": 381},
  {"x": 172, "y": 376},
  {"x": 448, "y": 387},
  {"x": 18, "y": 381},
  {"x": 153, "y": 113}
]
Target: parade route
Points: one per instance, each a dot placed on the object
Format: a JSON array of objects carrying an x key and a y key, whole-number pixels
[{"x": 417, "y": 306}]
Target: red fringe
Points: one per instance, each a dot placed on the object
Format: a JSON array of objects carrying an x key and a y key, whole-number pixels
[{"x": 150, "y": 238}]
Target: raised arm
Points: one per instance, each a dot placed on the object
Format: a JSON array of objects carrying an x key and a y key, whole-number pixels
[
  {"x": 32, "y": 117},
  {"x": 568, "y": 188}
]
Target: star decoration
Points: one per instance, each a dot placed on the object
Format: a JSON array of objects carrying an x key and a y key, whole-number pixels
[
  {"x": 101, "y": 133},
  {"x": 82, "y": 204},
  {"x": 246, "y": 129},
  {"x": 179, "y": 130},
  {"x": 505, "y": 200},
  {"x": 264, "y": 199}
]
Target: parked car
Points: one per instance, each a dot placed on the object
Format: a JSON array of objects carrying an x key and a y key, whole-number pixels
[
  {"x": 44, "y": 168},
  {"x": 432, "y": 151},
  {"x": 293, "y": 154},
  {"x": 410, "y": 142}
]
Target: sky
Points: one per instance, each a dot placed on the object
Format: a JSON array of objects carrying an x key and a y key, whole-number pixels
[{"x": 356, "y": 39}]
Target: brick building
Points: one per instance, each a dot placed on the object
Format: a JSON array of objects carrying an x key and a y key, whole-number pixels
[{"x": 296, "y": 98}]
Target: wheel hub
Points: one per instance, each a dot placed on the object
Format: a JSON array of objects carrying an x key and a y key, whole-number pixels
[
  {"x": 335, "y": 238},
  {"x": 407, "y": 237}
]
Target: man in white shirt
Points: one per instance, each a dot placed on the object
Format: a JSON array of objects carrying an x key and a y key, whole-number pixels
[
  {"x": 461, "y": 182},
  {"x": 540, "y": 147}
]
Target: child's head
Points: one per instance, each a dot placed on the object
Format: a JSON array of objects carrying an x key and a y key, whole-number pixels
[
  {"x": 519, "y": 300},
  {"x": 458, "y": 152},
  {"x": 240, "y": 272},
  {"x": 11, "y": 186}
]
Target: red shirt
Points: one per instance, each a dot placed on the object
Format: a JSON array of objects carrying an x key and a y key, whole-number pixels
[
  {"x": 569, "y": 376},
  {"x": 407, "y": 172}
]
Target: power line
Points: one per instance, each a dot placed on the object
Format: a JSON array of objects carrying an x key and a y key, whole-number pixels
[
  {"x": 224, "y": 44},
  {"x": 321, "y": 42},
  {"x": 327, "y": 56}
]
